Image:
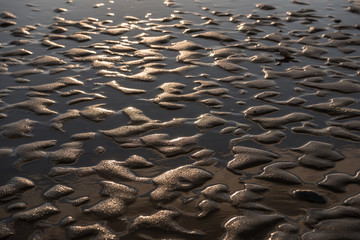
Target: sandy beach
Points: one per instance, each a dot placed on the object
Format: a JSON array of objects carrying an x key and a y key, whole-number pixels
[{"x": 193, "y": 119}]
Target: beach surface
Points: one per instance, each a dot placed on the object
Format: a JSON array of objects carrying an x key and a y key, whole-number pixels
[{"x": 193, "y": 119}]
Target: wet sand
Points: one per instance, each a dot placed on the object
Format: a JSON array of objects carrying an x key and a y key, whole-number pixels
[{"x": 179, "y": 119}]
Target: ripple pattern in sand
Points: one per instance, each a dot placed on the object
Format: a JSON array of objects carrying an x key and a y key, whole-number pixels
[{"x": 184, "y": 120}]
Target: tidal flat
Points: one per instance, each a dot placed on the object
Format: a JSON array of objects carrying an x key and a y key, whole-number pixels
[{"x": 180, "y": 119}]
